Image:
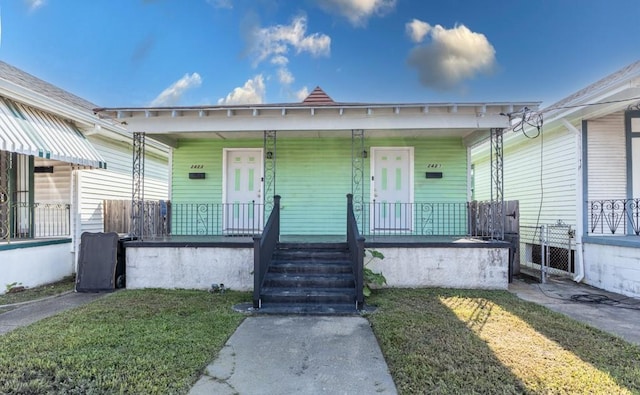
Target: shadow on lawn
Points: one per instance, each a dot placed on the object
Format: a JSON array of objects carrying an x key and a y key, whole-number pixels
[
  {"x": 430, "y": 350},
  {"x": 607, "y": 353}
]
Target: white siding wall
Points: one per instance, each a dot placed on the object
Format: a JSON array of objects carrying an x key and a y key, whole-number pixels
[
  {"x": 95, "y": 186},
  {"x": 535, "y": 169},
  {"x": 52, "y": 187},
  {"x": 119, "y": 158},
  {"x": 606, "y": 158}
]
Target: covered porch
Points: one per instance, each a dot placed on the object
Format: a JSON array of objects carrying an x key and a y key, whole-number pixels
[{"x": 405, "y": 167}]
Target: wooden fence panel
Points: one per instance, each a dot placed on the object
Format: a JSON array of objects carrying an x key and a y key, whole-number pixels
[{"x": 157, "y": 217}]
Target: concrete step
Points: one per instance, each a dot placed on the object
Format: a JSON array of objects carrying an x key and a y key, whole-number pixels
[
  {"x": 308, "y": 295},
  {"x": 309, "y": 309}
]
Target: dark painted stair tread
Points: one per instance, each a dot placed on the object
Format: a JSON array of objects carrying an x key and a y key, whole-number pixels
[
  {"x": 309, "y": 280},
  {"x": 308, "y": 267}
]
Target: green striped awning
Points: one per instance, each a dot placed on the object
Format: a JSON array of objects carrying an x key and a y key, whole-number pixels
[{"x": 29, "y": 131}]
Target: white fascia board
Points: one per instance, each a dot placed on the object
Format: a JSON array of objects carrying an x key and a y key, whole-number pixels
[
  {"x": 160, "y": 125},
  {"x": 584, "y": 111}
]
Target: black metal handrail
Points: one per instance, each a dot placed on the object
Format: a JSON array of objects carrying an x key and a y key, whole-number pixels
[
  {"x": 263, "y": 248},
  {"x": 614, "y": 216},
  {"x": 355, "y": 243}
]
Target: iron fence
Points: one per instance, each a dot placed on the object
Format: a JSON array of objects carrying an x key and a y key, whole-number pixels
[
  {"x": 213, "y": 219},
  {"x": 614, "y": 216},
  {"x": 419, "y": 219},
  {"x": 36, "y": 220}
]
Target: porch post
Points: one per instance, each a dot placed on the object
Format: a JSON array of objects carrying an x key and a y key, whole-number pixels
[
  {"x": 496, "y": 215},
  {"x": 358, "y": 155},
  {"x": 269, "y": 171},
  {"x": 5, "y": 196},
  {"x": 137, "y": 186}
]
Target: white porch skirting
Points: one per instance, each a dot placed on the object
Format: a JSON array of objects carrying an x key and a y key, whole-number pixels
[
  {"x": 614, "y": 268},
  {"x": 413, "y": 267},
  {"x": 35, "y": 263},
  {"x": 189, "y": 267}
]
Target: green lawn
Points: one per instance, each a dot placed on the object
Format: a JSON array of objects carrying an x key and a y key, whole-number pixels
[
  {"x": 134, "y": 342},
  {"x": 439, "y": 341},
  {"x": 435, "y": 341}
]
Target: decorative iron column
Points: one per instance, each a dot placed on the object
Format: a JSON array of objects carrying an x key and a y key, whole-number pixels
[
  {"x": 5, "y": 196},
  {"x": 269, "y": 171},
  {"x": 496, "y": 214},
  {"x": 357, "y": 173},
  {"x": 137, "y": 186}
]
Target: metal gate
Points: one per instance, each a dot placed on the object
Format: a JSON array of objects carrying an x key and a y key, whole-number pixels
[{"x": 547, "y": 250}]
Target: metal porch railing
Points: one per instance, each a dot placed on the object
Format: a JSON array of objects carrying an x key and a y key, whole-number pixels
[
  {"x": 263, "y": 248},
  {"x": 37, "y": 220},
  {"x": 614, "y": 216},
  {"x": 355, "y": 244}
]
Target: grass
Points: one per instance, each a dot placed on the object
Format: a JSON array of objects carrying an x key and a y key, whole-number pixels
[
  {"x": 435, "y": 341},
  {"x": 64, "y": 285},
  {"x": 450, "y": 342},
  {"x": 138, "y": 342}
]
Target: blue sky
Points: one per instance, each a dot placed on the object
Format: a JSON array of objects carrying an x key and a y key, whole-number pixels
[{"x": 200, "y": 52}]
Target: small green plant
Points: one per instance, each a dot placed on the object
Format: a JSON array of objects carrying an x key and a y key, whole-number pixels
[
  {"x": 14, "y": 287},
  {"x": 372, "y": 278}
]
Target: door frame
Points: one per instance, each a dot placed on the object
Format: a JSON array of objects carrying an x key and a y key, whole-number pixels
[
  {"x": 372, "y": 170},
  {"x": 225, "y": 157}
]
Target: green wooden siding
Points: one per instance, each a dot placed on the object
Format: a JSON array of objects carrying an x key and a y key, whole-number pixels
[{"x": 313, "y": 176}]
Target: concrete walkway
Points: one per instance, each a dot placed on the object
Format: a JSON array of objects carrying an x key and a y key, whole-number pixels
[
  {"x": 27, "y": 314},
  {"x": 299, "y": 355},
  {"x": 607, "y": 311}
]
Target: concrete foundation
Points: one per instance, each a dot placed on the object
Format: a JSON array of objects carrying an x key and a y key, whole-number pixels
[{"x": 35, "y": 263}]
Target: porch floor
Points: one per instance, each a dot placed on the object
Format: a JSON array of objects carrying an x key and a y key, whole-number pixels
[{"x": 370, "y": 241}]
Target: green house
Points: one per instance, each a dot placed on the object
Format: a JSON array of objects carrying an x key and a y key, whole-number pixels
[{"x": 405, "y": 164}]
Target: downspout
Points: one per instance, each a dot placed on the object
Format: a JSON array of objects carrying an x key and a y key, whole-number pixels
[{"x": 579, "y": 198}]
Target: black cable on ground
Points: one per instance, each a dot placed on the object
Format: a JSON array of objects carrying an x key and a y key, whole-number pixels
[{"x": 593, "y": 299}]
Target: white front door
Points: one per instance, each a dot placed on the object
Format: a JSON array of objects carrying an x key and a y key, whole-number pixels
[
  {"x": 242, "y": 191},
  {"x": 391, "y": 189}
]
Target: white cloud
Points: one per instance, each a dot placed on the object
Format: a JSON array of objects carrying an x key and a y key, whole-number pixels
[
  {"x": 417, "y": 30},
  {"x": 358, "y": 12},
  {"x": 280, "y": 60},
  {"x": 302, "y": 93},
  {"x": 34, "y": 4},
  {"x": 173, "y": 94},
  {"x": 275, "y": 41},
  {"x": 452, "y": 56},
  {"x": 226, "y": 4},
  {"x": 284, "y": 76},
  {"x": 252, "y": 92}
]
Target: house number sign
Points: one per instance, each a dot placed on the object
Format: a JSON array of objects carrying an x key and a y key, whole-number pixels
[{"x": 197, "y": 167}]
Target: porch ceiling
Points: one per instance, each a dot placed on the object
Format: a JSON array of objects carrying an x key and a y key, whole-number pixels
[
  {"x": 316, "y": 121},
  {"x": 314, "y": 134}
]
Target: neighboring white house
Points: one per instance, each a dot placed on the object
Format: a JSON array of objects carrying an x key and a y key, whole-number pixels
[
  {"x": 58, "y": 163},
  {"x": 580, "y": 168}
]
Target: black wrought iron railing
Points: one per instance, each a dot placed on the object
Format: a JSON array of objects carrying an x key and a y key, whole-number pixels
[
  {"x": 614, "y": 216},
  {"x": 419, "y": 219},
  {"x": 214, "y": 219},
  {"x": 355, "y": 243},
  {"x": 263, "y": 248},
  {"x": 36, "y": 220}
]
